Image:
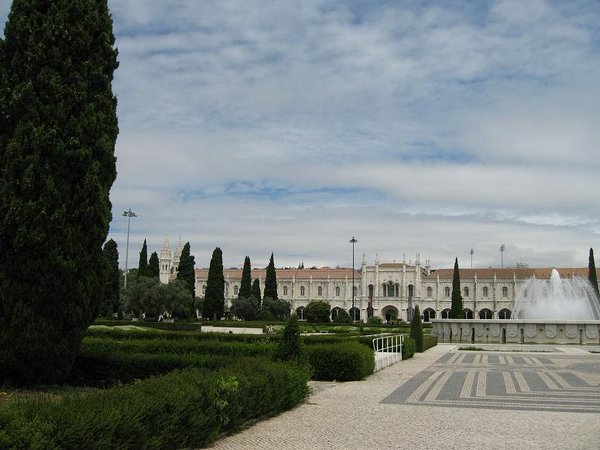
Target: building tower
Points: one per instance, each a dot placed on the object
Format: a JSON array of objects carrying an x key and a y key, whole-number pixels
[{"x": 165, "y": 261}]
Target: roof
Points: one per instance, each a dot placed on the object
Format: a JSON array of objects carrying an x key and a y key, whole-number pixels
[
  {"x": 287, "y": 274},
  {"x": 509, "y": 273}
]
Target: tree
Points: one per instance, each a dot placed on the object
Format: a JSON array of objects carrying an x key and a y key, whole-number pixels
[
  {"x": 214, "y": 297},
  {"x": 58, "y": 127},
  {"x": 143, "y": 264},
  {"x": 110, "y": 302},
  {"x": 456, "y": 309},
  {"x": 290, "y": 346},
  {"x": 245, "y": 308},
  {"x": 186, "y": 271},
  {"x": 153, "y": 266},
  {"x": 317, "y": 312},
  {"x": 342, "y": 317},
  {"x": 592, "y": 275},
  {"x": 153, "y": 298},
  {"x": 271, "y": 281},
  {"x": 279, "y": 308},
  {"x": 416, "y": 329},
  {"x": 256, "y": 290},
  {"x": 246, "y": 284}
]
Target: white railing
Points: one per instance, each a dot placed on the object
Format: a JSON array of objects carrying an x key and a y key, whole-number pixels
[{"x": 388, "y": 350}]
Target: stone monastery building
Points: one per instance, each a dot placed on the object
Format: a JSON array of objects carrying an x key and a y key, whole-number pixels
[{"x": 384, "y": 289}]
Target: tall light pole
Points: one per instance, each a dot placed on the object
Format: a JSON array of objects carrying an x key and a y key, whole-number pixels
[
  {"x": 129, "y": 214},
  {"x": 472, "y": 253},
  {"x": 353, "y": 241},
  {"x": 502, "y": 248}
]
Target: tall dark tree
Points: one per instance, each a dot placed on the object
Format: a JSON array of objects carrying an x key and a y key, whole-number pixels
[
  {"x": 153, "y": 266},
  {"x": 456, "y": 309},
  {"x": 246, "y": 284},
  {"x": 255, "y": 292},
  {"x": 592, "y": 275},
  {"x": 416, "y": 329},
  {"x": 186, "y": 271},
  {"x": 271, "y": 281},
  {"x": 143, "y": 264},
  {"x": 58, "y": 127},
  {"x": 214, "y": 297},
  {"x": 111, "y": 290}
]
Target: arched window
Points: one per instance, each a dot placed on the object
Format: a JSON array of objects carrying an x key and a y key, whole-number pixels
[
  {"x": 235, "y": 290},
  {"x": 429, "y": 292},
  {"x": 485, "y": 291},
  {"x": 447, "y": 291},
  {"x": 300, "y": 312},
  {"x": 446, "y": 313},
  {"x": 337, "y": 291},
  {"x": 411, "y": 290},
  {"x": 302, "y": 291},
  {"x": 466, "y": 291},
  {"x": 319, "y": 291},
  {"x": 504, "y": 291},
  {"x": 285, "y": 290},
  {"x": 485, "y": 314},
  {"x": 371, "y": 288},
  {"x": 428, "y": 315},
  {"x": 504, "y": 314},
  {"x": 468, "y": 313}
]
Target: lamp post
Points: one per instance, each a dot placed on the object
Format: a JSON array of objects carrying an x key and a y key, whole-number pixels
[
  {"x": 129, "y": 214},
  {"x": 502, "y": 248},
  {"x": 472, "y": 253},
  {"x": 353, "y": 241}
]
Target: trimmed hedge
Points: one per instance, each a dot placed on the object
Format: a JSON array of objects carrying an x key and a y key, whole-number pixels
[
  {"x": 183, "y": 409},
  {"x": 429, "y": 341},
  {"x": 169, "y": 326},
  {"x": 346, "y": 361},
  {"x": 121, "y": 334},
  {"x": 409, "y": 347}
]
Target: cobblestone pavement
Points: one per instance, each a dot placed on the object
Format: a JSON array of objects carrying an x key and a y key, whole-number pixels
[{"x": 447, "y": 398}]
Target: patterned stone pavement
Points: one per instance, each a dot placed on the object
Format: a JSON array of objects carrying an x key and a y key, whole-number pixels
[
  {"x": 448, "y": 399},
  {"x": 505, "y": 381}
]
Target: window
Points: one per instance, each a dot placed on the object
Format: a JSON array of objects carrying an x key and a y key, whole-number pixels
[
  {"x": 371, "y": 289},
  {"x": 466, "y": 291},
  {"x": 320, "y": 291},
  {"x": 203, "y": 289},
  {"x": 337, "y": 291},
  {"x": 302, "y": 291},
  {"x": 485, "y": 291},
  {"x": 504, "y": 291},
  {"x": 447, "y": 291},
  {"x": 285, "y": 290},
  {"x": 485, "y": 314},
  {"x": 429, "y": 292},
  {"x": 236, "y": 290}
]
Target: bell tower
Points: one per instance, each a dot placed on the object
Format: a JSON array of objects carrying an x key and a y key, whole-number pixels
[{"x": 165, "y": 261}]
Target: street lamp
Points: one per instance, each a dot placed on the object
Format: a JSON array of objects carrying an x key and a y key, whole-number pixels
[
  {"x": 353, "y": 241},
  {"x": 472, "y": 253},
  {"x": 502, "y": 248},
  {"x": 129, "y": 214}
]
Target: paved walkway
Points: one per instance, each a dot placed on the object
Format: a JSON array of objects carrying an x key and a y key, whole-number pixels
[{"x": 447, "y": 399}]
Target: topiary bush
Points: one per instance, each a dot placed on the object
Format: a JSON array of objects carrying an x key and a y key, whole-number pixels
[
  {"x": 346, "y": 361},
  {"x": 416, "y": 329},
  {"x": 408, "y": 347},
  {"x": 290, "y": 346}
]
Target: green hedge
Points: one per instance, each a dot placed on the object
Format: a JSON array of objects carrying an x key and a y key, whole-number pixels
[
  {"x": 408, "y": 347},
  {"x": 124, "y": 334},
  {"x": 183, "y": 409},
  {"x": 172, "y": 326},
  {"x": 429, "y": 341},
  {"x": 346, "y": 361}
]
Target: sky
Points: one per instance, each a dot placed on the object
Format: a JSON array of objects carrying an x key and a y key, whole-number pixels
[{"x": 417, "y": 127}]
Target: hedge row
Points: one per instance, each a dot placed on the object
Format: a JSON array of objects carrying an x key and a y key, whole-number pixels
[
  {"x": 183, "y": 409},
  {"x": 429, "y": 341},
  {"x": 346, "y": 361},
  {"x": 123, "y": 334},
  {"x": 169, "y": 326}
]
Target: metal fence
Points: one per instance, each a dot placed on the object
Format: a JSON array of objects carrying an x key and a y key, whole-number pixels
[{"x": 388, "y": 350}]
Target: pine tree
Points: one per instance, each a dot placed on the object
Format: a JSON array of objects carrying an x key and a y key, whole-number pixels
[
  {"x": 246, "y": 284},
  {"x": 592, "y": 275},
  {"x": 186, "y": 271},
  {"x": 143, "y": 264},
  {"x": 111, "y": 301},
  {"x": 256, "y": 290},
  {"x": 456, "y": 310},
  {"x": 153, "y": 266},
  {"x": 271, "y": 281},
  {"x": 416, "y": 329},
  {"x": 58, "y": 128},
  {"x": 214, "y": 298}
]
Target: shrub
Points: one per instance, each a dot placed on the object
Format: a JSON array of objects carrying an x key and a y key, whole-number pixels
[
  {"x": 342, "y": 362},
  {"x": 408, "y": 347},
  {"x": 290, "y": 346},
  {"x": 374, "y": 320},
  {"x": 416, "y": 330},
  {"x": 266, "y": 316},
  {"x": 317, "y": 312},
  {"x": 342, "y": 317},
  {"x": 429, "y": 341}
]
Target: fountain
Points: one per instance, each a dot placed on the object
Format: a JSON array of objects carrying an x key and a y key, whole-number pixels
[
  {"x": 556, "y": 299},
  {"x": 552, "y": 311}
]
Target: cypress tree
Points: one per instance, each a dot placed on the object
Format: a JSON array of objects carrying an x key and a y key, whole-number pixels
[
  {"x": 256, "y": 290},
  {"x": 456, "y": 310},
  {"x": 592, "y": 275},
  {"x": 143, "y": 264},
  {"x": 58, "y": 128},
  {"x": 214, "y": 297},
  {"x": 112, "y": 286},
  {"x": 416, "y": 329},
  {"x": 186, "y": 271},
  {"x": 246, "y": 284},
  {"x": 271, "y": 281},
  {"x": 153, "y": 266}
]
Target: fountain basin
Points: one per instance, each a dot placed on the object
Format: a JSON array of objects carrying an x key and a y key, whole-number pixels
[{"x": 517, "y": 331}]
